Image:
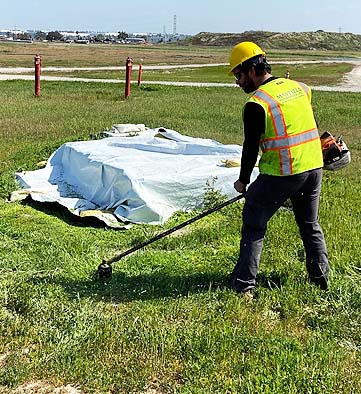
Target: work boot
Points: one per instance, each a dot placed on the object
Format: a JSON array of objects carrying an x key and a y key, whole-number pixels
[
  {"x": 248, "y": 295},
  {"x": 318, "y": 271},
  {"x": 237, "y": 285},
  {"x": 320, "y": 282}
]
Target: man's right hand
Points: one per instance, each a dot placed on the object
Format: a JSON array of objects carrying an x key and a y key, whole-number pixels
[{"x": 240, "y": 187}]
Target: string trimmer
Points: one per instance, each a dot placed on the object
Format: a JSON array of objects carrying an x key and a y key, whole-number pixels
[{"x": 105, "y": 268}]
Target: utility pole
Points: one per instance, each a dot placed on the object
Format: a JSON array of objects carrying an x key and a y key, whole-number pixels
[
  {"x": 174, "y": 25},
  {"x": 340, "y": 30}
]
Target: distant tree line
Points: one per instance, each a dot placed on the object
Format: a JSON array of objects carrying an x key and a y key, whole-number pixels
[
  {"x": 57, "y": 36},
  {"x": 40, "y": 35},
  {"x": 24, "y": 36},
  {"x": 54, "y": 36}
]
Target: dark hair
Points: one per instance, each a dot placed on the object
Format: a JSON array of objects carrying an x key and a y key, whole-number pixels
[{"x": 259, "y": 63}]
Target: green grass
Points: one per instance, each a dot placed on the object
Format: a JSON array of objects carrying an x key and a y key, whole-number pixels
[
  {"x": 167, "y": 322},
  {"x": 313, "y": 74}
]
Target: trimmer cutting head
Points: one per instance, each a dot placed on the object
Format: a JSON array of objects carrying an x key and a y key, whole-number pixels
[{"x": 105, "y": 271}]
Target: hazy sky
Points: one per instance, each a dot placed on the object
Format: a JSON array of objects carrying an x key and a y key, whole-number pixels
[{"x": 193, "y": 16}]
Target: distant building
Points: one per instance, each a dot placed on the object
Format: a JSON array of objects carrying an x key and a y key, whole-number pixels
[
  {"x": 11, "y": 34},
  {"x": 134, "y": 40},
  {"x": 157, "y": 38},
  {"x": 73, "y": 36},
  {"x": 85, "y": 37},
  {"x": 16, "y": 35},
  {"x": 4, "y": 34}
]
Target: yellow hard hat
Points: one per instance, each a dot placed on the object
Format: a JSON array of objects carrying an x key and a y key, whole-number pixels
[{"x": 243, "y": 51}]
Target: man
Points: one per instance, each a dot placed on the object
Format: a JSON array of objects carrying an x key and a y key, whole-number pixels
[{"x": 278, "y": 118}]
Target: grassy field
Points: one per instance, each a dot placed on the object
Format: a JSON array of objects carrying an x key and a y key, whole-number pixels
[
  {"x": 18, "y": 54},
  {"x": 312, "y": 74},
  {"x": 68, "y": 55},
  {"x": 167, "y": 323},
  {"x": 65, "y": 55}
]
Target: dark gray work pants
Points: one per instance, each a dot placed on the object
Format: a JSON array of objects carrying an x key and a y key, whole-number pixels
[{"x": 263, "y": 198}]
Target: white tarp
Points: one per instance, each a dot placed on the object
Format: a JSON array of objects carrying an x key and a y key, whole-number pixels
[{"x": 142, "y": 178}]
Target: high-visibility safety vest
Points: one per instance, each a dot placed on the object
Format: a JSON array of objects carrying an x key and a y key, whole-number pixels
[{"x": 291, "y": 143}]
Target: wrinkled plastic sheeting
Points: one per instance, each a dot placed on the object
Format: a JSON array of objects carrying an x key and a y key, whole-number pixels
[{"x": 143, "y": 178}]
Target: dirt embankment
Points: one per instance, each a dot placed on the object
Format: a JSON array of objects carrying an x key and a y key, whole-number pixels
[{"x": 317, "y": 40}]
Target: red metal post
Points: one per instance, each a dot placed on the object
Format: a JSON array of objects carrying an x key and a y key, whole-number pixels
[
  {"x": 37, "y": 63},
  {"x": 128, "y": 76},
  {"x": 140, "y": 71}
]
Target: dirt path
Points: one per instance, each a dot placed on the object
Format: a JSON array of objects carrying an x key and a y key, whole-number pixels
[
  {"x": 19, "y": 70},
  {"x": 350, "y": 83}
]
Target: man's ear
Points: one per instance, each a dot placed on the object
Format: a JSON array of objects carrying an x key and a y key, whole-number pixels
[{"x": 252, "y": 72}]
